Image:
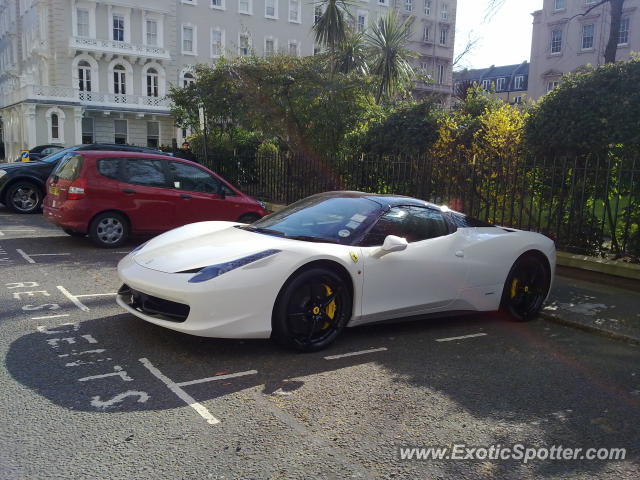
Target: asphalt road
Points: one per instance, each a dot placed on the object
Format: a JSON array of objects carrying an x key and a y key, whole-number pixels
[{"x": 89, "y": 392}]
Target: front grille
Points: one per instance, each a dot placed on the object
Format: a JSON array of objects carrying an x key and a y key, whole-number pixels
[{"x": 154, "y": 306}]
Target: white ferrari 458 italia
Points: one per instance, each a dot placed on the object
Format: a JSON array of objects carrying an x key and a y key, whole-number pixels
[{"x": 331, "y": 261}]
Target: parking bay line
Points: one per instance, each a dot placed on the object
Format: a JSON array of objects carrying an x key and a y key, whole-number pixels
[
  {"x": 450, "y": 339},
  {"x": 351, "y": 354},
  {"x": 74, "y": 298},
  {"x": 28, "y": 257},
  {"x": 217, "y": 377},
  {"x": 182, "y": 395},
  {"x": 50, "y": 316}
]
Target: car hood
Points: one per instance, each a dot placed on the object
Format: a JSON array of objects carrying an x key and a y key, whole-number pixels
[{"x": 200, "y": 245}]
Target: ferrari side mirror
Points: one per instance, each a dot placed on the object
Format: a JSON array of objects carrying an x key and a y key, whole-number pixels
[{"x": 394, "y": 244}]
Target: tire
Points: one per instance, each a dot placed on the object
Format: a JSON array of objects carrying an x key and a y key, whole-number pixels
[
  {"x": 526, "y": 288},
  {"x": 24, "y": 197},
  {"x": 73, "y": 233},
  {"x": 312, "y": 309},
  {"x": 249, "y": 218},
  {"x": 109, "y": 230}
]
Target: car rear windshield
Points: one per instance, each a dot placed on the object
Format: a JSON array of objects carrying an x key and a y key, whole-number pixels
[{"x": 69, "y": 168}]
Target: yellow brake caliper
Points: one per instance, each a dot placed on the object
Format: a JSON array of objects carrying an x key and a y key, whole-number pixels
[
  {"x": 514, "y": 288},
  {"x": 331, "y": 308}
]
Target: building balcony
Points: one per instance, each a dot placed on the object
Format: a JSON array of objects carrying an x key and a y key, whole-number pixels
[
  {"x": 113, "y": 47},
  {"x": 72, "y": 96}
]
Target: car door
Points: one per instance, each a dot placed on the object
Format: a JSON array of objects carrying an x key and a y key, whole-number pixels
[
  {"x": 201, "y": 196},
  {"x": 146, "y": 194},
  {"x": 425, "y": 277}
]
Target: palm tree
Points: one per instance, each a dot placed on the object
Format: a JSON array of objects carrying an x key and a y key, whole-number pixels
[
  {"x": 387, "y": 42},
  {"x": 332, "y": 27},
  {"x": 351, "y": 55}
]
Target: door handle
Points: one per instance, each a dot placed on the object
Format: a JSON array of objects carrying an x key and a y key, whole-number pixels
[
  {"x": 184, "y": 195},
  {"x": 460, "y": 253},
  {"x": 128, "y": 190}
]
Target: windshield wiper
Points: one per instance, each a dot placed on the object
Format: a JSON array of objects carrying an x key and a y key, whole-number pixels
[
  {"x": 267, "y": 231},
  {"x": 307, "y": 238}
]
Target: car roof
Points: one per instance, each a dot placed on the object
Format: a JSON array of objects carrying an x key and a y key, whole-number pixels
[
  {"x": 120, "y": 153},
  {"x": 384, "y": 200}
]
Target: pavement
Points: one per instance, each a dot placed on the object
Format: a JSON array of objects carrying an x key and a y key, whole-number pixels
[{"x": 88, "y": 391}]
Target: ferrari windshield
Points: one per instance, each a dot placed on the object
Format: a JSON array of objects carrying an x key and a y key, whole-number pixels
[{"x": 321, "y": 219}]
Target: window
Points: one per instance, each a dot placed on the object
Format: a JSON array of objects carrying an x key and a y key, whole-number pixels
[
  {"x": 144, "y": 171},
  {"x": 552, "y": 84},
  {"x": 444, "y": 35},
  {"x": 383, "y": 2},
  {"x": 294, "y": 11},
  {"x": 293, "y": 48},
  {"x": 187, "y": 39},
  {"x": 119, "y": 80},
  {"x": 317, "y": 13},
  {"x": 84, "y": 76},
  {"x": 413, "y": 223},
  {"x": 55, "y": 127},
  {"x": 217, "y": 4},
  {"x": 120, "y": 132},
  {"x": 623, "y": 37},
  {"x": 556, "y": 41},
  {"x": 152, "y": 83},
  {"x": 361, "y": 23},
  {"x": 517, "y": 99},
  {"x": 500, "y": 84},
  {"x": 109, "y": 167},
  {"x": 560, "y": 4},
  {"x": 216, "y": 43},
  {"x": 427, "y": 7},
  {"x": 193, "y": 179},
  {"x": 587, "y": 36},
  {"x": 271, "y": 8},
  {"x": 269, "y": 47},
  {"x": 87, "y": 130},
  {"x": 152, "y": 32},
  {"x": 188, "y": 79},
  {"x": 82, "y": 19},
  {"x": 486, "y": 84},
  {"x": 426, "y": 33},
  {"x": 518, "y": 83},
  {"x": 153, "y": 134},
  {"x": 244, "y": 46},
  {"x": 440, "y": 74},
  {"x": 118, "y": 28},
  {"x": 444, "y": 13},
  {"x": 244, "y": 6},
  {"x": 408, "y": 5}
]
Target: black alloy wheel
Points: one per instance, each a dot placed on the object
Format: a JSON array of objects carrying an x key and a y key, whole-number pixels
[
  {"x": 526, "y": 288},
  {"x": 312, "y": 310},
  {"x": 24, "y": 197}
]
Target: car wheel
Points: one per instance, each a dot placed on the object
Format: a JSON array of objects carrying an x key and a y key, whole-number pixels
[
  {"x": 24, "y": 197},
  {"x": 526, "y": 288},
  {"x": 249, "y": 218},
  {"x": 73, "y": 233},
  {"x": 109, "y": 230},
  {"x": 311, "y": 311}
]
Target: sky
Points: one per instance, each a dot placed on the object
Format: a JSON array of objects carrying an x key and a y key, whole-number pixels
[{"x": 504, "y": 39}]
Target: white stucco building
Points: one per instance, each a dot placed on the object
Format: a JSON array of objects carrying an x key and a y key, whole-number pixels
[
  {"x": 81, "y": 71},
  {"x": 564, "y": 40}
]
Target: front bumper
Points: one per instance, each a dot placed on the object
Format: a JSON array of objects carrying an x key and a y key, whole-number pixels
[{"x": 234, "y": 305}]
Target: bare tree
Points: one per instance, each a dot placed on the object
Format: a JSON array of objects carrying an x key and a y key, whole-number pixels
[
  {"x": 614, "y": 31},
  {"x": 472, "y": 43}
]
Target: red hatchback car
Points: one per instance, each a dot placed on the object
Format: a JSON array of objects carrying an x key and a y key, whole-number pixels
[{"x": 111, "y": 195}]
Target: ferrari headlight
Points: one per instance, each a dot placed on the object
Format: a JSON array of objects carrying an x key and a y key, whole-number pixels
[
  {"x": 213, "y": 271},
  {"x": 138, "y": 248}
]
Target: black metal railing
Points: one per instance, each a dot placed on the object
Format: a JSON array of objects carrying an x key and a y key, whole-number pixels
[{"x": 588, "y": 205}]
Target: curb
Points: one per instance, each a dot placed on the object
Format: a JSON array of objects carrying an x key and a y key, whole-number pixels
[{"x": 591, "y": 329}]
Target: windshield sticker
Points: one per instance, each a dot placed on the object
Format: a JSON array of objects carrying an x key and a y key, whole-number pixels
[
  {"x": 344, "y": 233},
  {"x": 358, "y": 218},
  {"x": 352, "y": 225}
]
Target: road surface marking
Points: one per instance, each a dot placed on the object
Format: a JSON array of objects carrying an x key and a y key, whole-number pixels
[
  {"x": 25, "y": 256},
  {"x": 450, "y": 339},
  {"x": 73, "y": 299},
  {"x": 217, "y": 377},
  {"x": 351, "y": 354},
  {"x": 95, "y": 295},
  {"x": 46, "y": 254},
  {"x": 182, "y": 395},
  {"x": 50, "y": 316}
]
